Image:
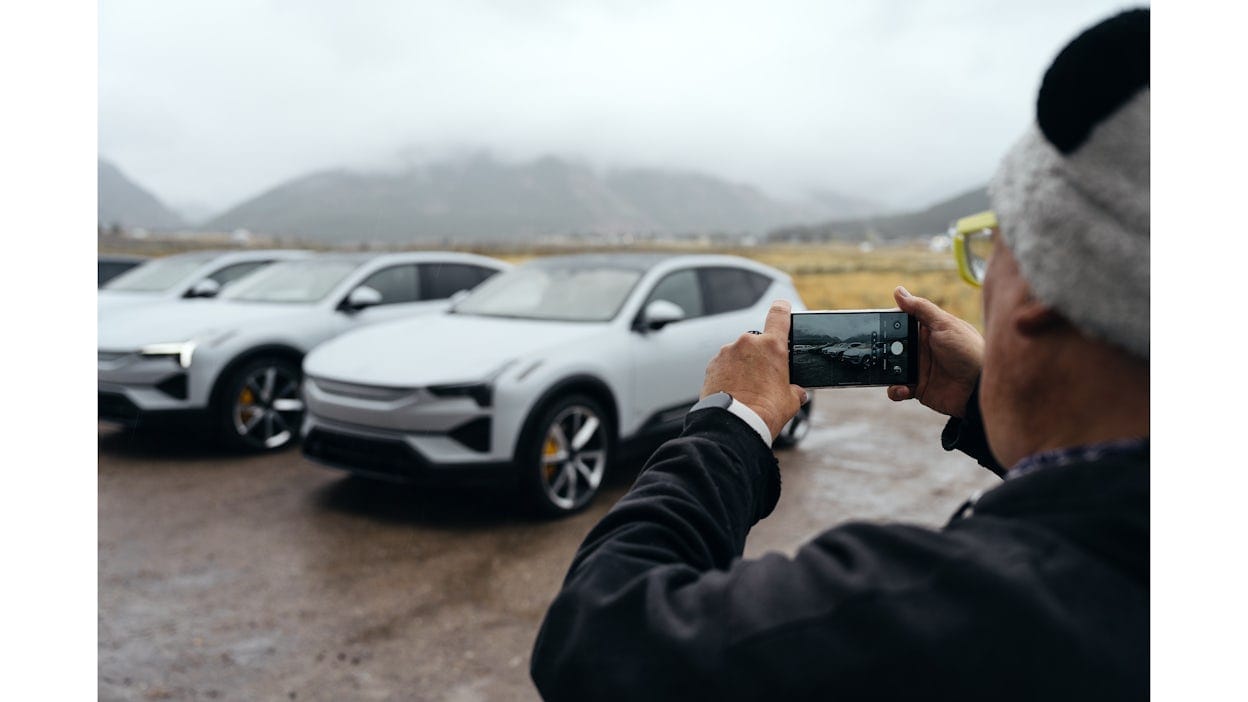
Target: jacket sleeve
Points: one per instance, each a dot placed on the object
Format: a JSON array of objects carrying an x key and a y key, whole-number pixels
[
  {"x": 967, "y": 435},
  {"x": 659, "y": 605}
]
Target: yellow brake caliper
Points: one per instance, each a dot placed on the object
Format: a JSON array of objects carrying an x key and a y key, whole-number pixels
[
  {"x": 551, "y": 448},
  {"x": 246, "y": 399}
]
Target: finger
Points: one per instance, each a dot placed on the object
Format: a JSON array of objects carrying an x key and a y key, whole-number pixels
[
  {"x": 778, "y": 320},
  {"x": 898, "y": 393},
  {"x": 926, "y": 311},
  {"x": 801, "y": 393}
]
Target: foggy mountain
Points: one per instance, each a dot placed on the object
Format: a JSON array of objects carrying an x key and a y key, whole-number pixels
[
  {"x": 123, "y": 202},
  {"x": 482, "y": 199},
  {"x": 926, "y": 222}
]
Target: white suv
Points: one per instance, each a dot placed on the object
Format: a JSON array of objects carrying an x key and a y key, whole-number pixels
[
  {"x": 539, "y": 375},
  {"x": 232, "y": 364}
]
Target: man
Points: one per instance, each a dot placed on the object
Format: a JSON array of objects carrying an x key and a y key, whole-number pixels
[{"x": 1038, "y": 589}]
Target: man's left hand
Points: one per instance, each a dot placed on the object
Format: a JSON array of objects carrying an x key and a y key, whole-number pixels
[{"x": 754, "y": 369}]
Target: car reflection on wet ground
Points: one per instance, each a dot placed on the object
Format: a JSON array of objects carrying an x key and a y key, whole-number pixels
[{"x": 266, "y": 577}]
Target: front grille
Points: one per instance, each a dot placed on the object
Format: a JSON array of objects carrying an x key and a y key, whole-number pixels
[
  {"x": 118, "y": 408},
  {"x": 360, "y": 392},
  {"x": 383, "y": 456}
]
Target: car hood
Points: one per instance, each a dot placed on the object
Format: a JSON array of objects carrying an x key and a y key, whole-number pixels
[
  {"x": 183, "y": 320},
  {"x": 109, "y": 299},
  {"x": 442, "y": 349}
]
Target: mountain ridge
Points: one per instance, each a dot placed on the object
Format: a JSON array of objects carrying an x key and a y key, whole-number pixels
[
  {"x": 486, "y": 200},
  {"x": 124, "y": 203}
]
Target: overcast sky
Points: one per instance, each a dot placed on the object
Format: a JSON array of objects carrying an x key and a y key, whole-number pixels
[{"x": 207, "y": 103}]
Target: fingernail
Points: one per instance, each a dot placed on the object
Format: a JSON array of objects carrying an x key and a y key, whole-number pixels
[
  {"x": 904, "y": 292},
  {"x": 805, "y": 397}
]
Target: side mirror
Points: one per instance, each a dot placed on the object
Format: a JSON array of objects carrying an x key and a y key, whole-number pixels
[
  {"x": 660, "y": 313},
  {"x": 204, "y": 288},
  {"x": 362, "y": 297},
  {"x": 459, "y": 295}
]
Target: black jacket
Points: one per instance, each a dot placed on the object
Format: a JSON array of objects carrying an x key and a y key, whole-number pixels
[{"x": 1039, "y": 590}]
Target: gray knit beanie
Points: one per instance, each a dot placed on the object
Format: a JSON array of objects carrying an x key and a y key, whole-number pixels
[{"x": 1072, "y": 196}]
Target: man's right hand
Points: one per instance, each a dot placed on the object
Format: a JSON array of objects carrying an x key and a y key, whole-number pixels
[{"x": 951, "y": 354}]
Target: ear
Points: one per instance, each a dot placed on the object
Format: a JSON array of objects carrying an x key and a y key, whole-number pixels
[{"x": 1033, "y": 318}]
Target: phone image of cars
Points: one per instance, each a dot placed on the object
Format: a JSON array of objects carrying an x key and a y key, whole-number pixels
[
  {"x": 232, "y": 365},
  {"x": 538, "y": 377}
]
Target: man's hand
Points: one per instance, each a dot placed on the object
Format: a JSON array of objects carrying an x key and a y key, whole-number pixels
[
  {"x": 951, "y": 354},
  {"x": 754, "y": 369}
]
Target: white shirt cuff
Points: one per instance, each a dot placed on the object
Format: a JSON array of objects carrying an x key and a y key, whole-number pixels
[{"x": 751, "y": 417}]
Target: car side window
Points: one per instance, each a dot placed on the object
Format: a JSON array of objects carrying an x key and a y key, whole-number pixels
[
  {"x": 439, "y": 281},
  {"x": 730, "y": 289},
  {"x": 229, "y": 274},
  {"x": 396, "y": 284},
  {"x": 683, "y": 289}
]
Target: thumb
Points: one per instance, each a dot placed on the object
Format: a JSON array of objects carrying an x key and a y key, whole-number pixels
[
  {"x": 898, "y": 393},
  {"x": 927, "y": 312},
  {"x": 802, "y": 395}
]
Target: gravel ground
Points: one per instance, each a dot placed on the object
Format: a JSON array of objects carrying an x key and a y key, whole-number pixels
[{"x": 226, "y": 577}]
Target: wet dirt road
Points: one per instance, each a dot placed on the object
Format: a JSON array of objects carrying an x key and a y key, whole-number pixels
[{"x": 225, "y": 577}]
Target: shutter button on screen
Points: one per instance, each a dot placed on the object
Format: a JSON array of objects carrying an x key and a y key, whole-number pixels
[{"x": 897, "y": 347}]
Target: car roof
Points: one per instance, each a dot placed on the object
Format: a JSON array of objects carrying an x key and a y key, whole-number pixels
[
  {"x": 642, "y": 261},
  {"x": 246, "y": 254},
  {"x": 121, "y": 258},
  {"x": 656, "y": 260},
  {"x": 409, "y": 257}
]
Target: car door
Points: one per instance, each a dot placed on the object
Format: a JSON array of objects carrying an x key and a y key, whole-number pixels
[
  {"x": 734, "y": 299},
  {"x": 721, "y": 303},
  {"x": 669, "y": 363}
]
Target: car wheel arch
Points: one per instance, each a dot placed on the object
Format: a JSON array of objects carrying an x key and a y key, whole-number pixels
[
  {"x": 590, "y": 385},
  {"x": 282, "y": 351}
]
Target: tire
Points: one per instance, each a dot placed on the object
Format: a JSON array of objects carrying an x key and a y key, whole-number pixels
[
  {"x": 563, "y": 464},
  {"x": 259, "y": 407},
  {"x": 796, "y": 428}
]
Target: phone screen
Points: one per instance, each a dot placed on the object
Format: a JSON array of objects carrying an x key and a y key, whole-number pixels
[{"x": 853, "y": 348}]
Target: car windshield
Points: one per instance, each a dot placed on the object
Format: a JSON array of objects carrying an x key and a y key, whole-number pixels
[
  {"x": 564, "y": 293},
  {"x": 293, "y": 282},
  {"x": 159, "y": 275}
]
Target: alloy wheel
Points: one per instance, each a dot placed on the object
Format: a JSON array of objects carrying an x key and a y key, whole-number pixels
[
  {"x": 574, "y": 457},
  {"x": 268, "y": 408}
]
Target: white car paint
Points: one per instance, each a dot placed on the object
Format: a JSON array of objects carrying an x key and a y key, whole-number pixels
[
  {"x": 373, "y": 384},
  {"x": 215, "y": 334}
]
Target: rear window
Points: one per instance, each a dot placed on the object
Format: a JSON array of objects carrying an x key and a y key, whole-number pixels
[
  {"x": 730, "y": 289},
  {"x": 439, "y": 281}
]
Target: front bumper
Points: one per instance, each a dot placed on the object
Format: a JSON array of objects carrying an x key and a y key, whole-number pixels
[
  {"x": 393, "y": 457},
  {"x": 134, "y": 389}
]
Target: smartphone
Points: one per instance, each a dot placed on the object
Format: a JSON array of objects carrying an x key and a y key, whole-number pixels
[{"x": 853, "y": 348}]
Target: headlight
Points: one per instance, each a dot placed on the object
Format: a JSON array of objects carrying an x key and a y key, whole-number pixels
[
  {"x": 483, "y": 393},
  {"x": 180, "y": 350}
]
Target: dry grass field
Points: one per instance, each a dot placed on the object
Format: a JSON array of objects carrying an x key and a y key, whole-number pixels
[{"x": 828, "y": 276}]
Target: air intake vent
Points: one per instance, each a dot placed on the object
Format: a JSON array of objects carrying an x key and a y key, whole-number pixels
[
  {"x": 474, "y": 434},
  {"x": 174, "y": 386}
]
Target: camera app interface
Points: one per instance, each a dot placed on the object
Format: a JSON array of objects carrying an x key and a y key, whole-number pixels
[{"x": 854, "y": 348}]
